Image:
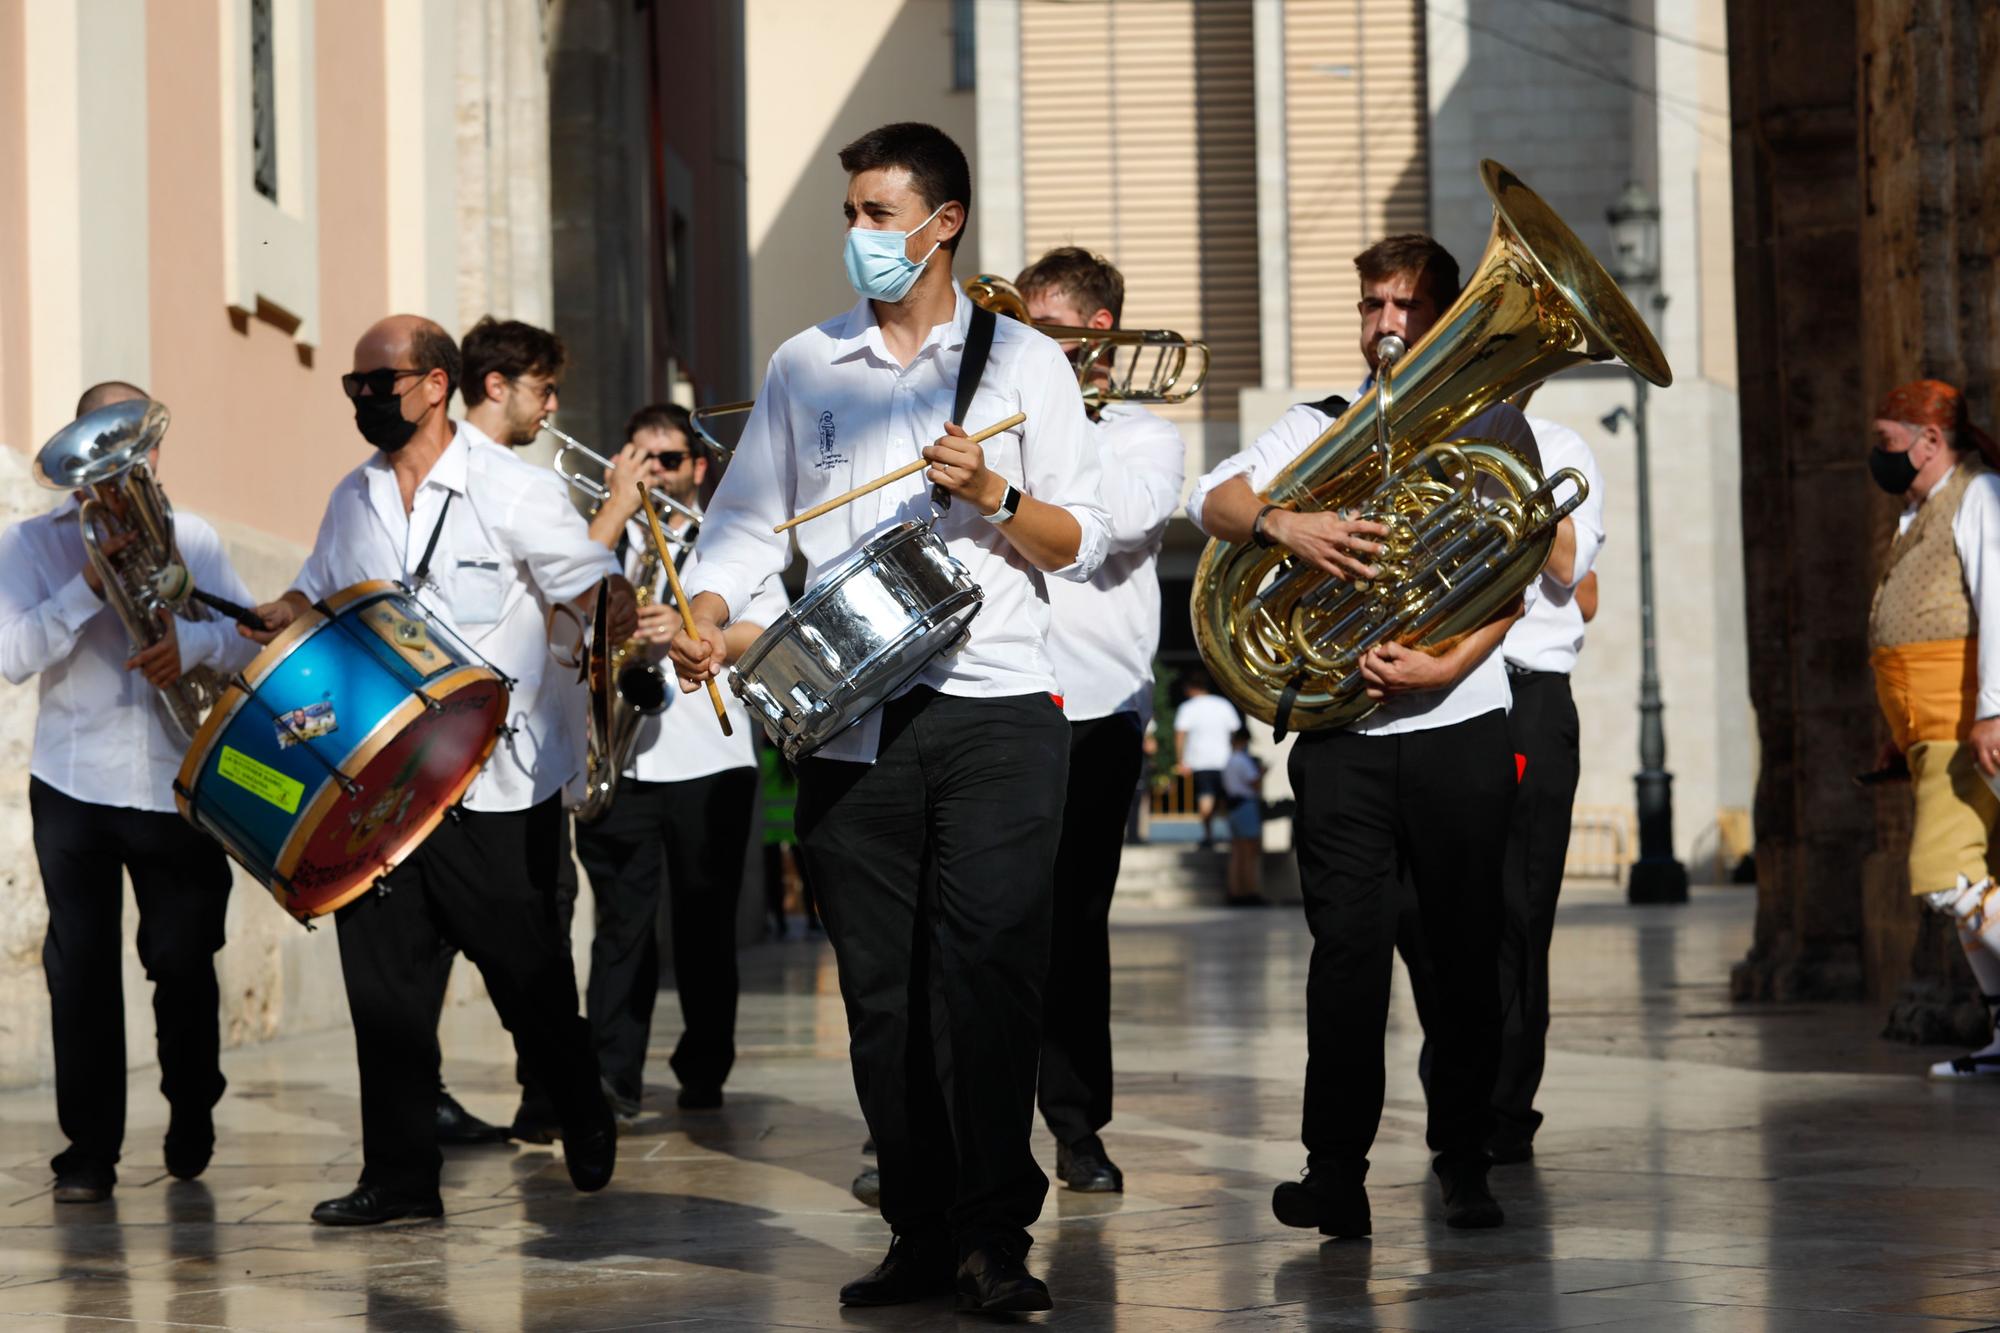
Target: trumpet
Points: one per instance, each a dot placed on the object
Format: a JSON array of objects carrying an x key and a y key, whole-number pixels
[
  {"x": 1097, "y": 367},
  {"x": 566, "y": 468}
]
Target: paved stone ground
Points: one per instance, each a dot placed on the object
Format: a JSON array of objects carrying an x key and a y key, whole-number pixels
[{"x": 1705, "y": 1167}]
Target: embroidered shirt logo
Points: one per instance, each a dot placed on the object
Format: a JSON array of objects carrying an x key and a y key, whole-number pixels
[{"x": 828, "y": 457}]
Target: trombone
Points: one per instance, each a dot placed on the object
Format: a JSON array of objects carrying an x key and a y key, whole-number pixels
[
  {"x": 597, "y": 491},
  {"x": 699, "y": 418},
  {"x": 1168, "y": 377}
]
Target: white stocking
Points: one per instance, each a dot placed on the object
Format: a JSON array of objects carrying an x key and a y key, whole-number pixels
[{"x": 1986, "y": 971}]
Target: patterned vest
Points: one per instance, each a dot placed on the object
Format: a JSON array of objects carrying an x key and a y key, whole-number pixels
[{"x": 1922, "y": 597}]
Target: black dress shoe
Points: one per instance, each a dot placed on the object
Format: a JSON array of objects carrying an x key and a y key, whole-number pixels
[
  {"x": 531, "y": 1128},
  {"x": 1467, "y": 1201},
  {"x": 867, "y": 1187},
  {"x": 1336, "y": 1204},
  {"x": 459, "y": 1127},
  {"x": 591, "y": 1156},
  {"x": 368, "y": 1206},
  {"x": 1087, "y": 1169},
  {"x": 1510, "y": 1152},
  {"x": 912, "y": 1270},
  {"x": 699, "y": 1097},
  {"x": 82, "y": 1187},
  {"x": 190, "y": 1143},
  {"x": 992, "y": 1280}
]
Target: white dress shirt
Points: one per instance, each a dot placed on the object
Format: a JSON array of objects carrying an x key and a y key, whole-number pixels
[
  {"x": 1549, "y": 633},
  {"x": 1203, "y": 725},
  {"x": 1480, "y": 690},
  {"x": 1975, "y": 531},
  {"x": 685, "y": 742},
  {"x": 100, "y": 735},
  {"x": 836, "y": 410},
  {"x": 1103, "y": 634},
  {"x": 511, "y": 547}
]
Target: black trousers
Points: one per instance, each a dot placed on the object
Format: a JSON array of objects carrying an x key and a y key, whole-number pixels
[
  {"x": 942, "y": 972},
  {"x": 1104, "y": 761},
  {"x": 1432, "y": 806},
  {"x": 1544, "y": 729},
  {"x": 181, "y": 881},
  {"x": 479, "y": 885},
  {"x": 700, "y": 830}
]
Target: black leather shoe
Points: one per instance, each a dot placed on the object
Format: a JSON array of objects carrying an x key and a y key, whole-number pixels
[
  {"x": 1337, "y": 1205},
  {"x": 912, "y": 1270},
  {"x": 82, "y": 1187},
  {"x": 591, "y": 1156},
  {"x": 1510, "y": 1152},
  {"x": 1087, "y": 1169},
  {"x": 867, "y": 1187},
  {"x": 1467, "y": 1201},
  {"x": 699, "y": 1097},
  {"x": 992, "y": 1281},
  {"x": 531, "y": 1128},
  {"x": 368, "y": 1206},
  {"x": 459, "y": 1127},
  {"x": 190, "y": 1143}
]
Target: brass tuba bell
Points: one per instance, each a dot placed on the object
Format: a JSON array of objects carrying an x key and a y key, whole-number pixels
[{"x": 1285, "y": 640}]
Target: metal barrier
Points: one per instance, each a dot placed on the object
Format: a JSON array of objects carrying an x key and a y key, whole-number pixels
[
  {"x": 1173, "y": 798},
  {"x": 1602, "y": 843}
]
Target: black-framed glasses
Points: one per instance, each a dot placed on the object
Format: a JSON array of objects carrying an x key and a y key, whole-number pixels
[{"x": 378, "y": 383}]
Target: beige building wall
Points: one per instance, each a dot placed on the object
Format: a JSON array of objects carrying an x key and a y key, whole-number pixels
[
  {"x": 815, "y": 78},
  {"x": 132, "y": 246}
]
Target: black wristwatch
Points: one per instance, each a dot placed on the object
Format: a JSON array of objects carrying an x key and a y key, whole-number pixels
[
  {"x": 1257, "y": 533},
  {"x": 1009, "y": 502}
]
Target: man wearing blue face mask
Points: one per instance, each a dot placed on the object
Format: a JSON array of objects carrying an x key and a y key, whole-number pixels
[{"x": 929, "y": 828}]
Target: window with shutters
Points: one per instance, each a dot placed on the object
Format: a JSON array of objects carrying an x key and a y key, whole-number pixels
[
  {"x": 270, "y": 209},
  {"x": 1139, "y": 143}
]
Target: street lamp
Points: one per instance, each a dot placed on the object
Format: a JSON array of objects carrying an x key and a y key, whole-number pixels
[{"x": 1657, "y": 877}]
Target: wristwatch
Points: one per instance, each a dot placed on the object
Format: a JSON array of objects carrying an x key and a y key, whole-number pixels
[{"x": 1008, "y": 504}]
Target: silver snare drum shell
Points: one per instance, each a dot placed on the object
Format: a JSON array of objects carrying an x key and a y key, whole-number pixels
[{"x": 856, "y": 637}]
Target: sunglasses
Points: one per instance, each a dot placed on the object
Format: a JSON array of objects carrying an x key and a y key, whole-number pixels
[
  {"x": 671, "y": 460},
  {"x": 547, "y": 391},
  {"x": 379, "y": 383}
]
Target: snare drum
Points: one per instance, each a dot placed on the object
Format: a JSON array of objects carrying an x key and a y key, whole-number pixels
[
  {"x": 856, "y": 637},
  {"x": 338, "y": 749}
]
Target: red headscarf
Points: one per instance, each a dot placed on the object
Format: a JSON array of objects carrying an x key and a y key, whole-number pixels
[{"x": 1935, "y": 403}]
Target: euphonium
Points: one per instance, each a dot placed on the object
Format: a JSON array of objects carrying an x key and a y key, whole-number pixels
[
  {"x": 103, "y": 454},
  {"x": 626, "y": 688},
  {"x": 1167, "y": 378},
  {"x": 1285, "y": 640}
]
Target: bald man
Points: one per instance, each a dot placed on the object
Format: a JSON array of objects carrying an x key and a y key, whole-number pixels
[
  {"x": 493, "y": 543},
  {"x": 100, "y": 791}
]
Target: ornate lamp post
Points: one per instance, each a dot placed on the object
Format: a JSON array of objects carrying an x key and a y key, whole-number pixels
[{"x": 1657, "y": 877}]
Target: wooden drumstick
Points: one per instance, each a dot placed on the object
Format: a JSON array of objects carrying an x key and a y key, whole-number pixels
[
  {"x": 900, "y": 473},
  {"x": 681, "y": 599}
]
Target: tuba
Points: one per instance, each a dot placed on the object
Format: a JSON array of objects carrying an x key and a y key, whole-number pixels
[
  {"x": 1163, "y": 353},
  {"x": 1285, "y": 640},
  {"x": 103, "y": 453}
]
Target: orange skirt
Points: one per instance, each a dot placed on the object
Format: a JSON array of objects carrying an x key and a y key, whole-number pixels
[{"x": 1928, "y": 691}]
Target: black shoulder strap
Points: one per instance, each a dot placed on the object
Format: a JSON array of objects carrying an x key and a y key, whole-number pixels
[
  {"x": 1333, "y": 405},
  {"x": 978, "y": 346}
]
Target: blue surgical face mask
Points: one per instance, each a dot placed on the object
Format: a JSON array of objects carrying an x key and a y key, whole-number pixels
[{"x": 878, "y": 262}]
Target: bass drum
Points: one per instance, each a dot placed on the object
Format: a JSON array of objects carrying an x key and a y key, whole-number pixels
[
  {"x": 856, "y": 637},
  {"x": 340, "y": 747}
]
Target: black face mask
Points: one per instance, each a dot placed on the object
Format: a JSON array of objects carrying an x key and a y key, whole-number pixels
[
  {"x": 1893, "y": 472},
  {"x": 379, "y": 418}
]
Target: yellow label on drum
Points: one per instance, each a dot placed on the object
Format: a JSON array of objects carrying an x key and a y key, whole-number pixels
[{"x": 261, "y": 780}]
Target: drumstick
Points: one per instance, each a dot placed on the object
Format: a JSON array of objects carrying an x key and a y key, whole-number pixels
[
  {"x": 900, "y": 473},
  {"x": 681, "y": 599}
]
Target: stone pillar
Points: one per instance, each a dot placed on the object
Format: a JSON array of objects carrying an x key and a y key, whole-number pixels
[{"x": 1867, "y": 219}]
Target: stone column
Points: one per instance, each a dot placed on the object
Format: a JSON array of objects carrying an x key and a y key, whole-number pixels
[{"x": 1867, "y": 218}]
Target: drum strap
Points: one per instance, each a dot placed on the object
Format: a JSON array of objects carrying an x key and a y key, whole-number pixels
[
  {"x": 430, "y": 547},
  {"x": 978, "y": 346}
]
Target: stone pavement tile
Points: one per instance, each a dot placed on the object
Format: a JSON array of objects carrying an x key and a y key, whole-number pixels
[
  {"x": 1876, "y": 1292},
  {"x": 1752, "y": 1319}
]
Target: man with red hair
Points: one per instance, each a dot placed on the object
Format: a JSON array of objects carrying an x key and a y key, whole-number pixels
[{"x": 1934, "y": 642}]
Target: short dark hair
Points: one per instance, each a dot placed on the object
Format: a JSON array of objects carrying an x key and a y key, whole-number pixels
[
  {"x": 512, "y": 348},
  {"x": 937, "y": 167},
  {"x": 1412, "y": 252},
  {"x": 1087, "y": 279},
  {"x": 664, "y": 417},
  {"x": 111, "y": 391},
  {"x": 431, "y": 348}
]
